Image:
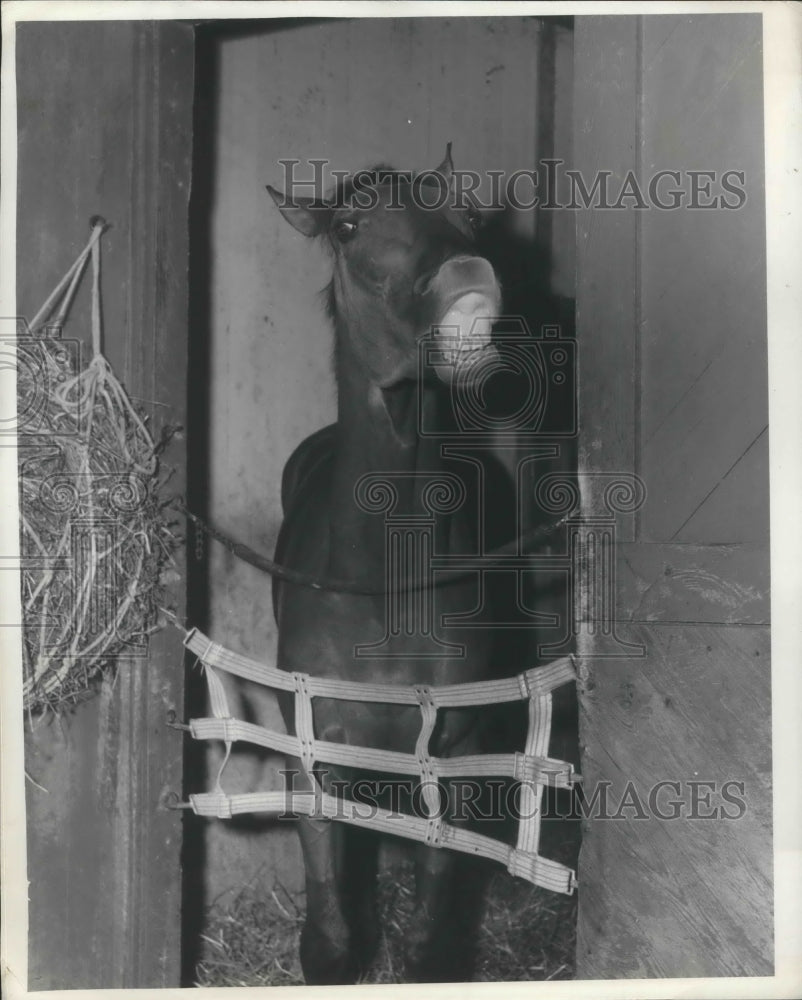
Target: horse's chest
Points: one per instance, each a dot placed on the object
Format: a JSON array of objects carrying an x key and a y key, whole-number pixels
[{"x": 398, "y": 638}]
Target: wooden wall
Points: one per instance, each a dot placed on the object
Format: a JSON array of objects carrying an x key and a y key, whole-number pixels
[
  {"x": 671, "y": 326},
  {"x": 104, "y": 117}
]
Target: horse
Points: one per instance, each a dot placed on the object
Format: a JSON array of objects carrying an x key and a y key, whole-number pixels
[{"x": 404, "y": 264}]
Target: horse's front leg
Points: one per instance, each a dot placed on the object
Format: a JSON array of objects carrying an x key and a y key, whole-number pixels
[
  {"x": 441, "y": 944},
  {"x": 448, "y": 891},
  {"x": 326, "y": 952},
  {"x": 430, "y": 944},
  {"x": 340, "y": 932}
]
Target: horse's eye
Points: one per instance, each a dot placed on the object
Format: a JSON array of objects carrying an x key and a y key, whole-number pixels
[
  {"x": 474, "y": 219},
  {"x": 345, "y": 230}
]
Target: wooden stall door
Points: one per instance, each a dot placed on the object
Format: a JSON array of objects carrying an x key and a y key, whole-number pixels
[
  {"x": 671, "y": 331},
  {"x": 104, "y": 117}
]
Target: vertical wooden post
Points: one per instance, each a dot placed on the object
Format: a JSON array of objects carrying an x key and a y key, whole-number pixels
[{"x": 105, "y": 127}]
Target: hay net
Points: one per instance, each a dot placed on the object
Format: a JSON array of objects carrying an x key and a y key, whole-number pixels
[
  {"x": 94, "y": 536},
  {"x": 532, "y": 768}
]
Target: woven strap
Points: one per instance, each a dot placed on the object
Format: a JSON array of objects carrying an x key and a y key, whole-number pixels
[
  {"x": 220, "y": 710},
  {"x": 534, "y": 868},
  {"x": 533, "y": 768},
  {"x": 517, "y": 766},
  {"x": 538, "y": 680},
  {"x": 427, "y": 767}
]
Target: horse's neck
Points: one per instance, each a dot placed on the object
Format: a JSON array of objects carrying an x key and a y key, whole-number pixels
[{"x": 368, "y": 445}]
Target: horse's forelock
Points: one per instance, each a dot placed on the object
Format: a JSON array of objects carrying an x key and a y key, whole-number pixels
[{"x": 348, "y": 187}]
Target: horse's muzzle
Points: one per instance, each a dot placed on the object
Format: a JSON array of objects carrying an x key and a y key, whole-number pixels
[{"x": 466, "y": 299}]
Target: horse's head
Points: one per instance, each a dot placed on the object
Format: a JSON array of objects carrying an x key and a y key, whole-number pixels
[{"x": 405, "y": 261}]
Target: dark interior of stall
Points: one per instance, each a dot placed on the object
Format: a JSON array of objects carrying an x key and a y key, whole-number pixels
[{"x": 524, "y": 257}]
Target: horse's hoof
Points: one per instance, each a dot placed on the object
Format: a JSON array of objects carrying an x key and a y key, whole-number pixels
[
  {"x": 326, "y": 961},
  {"x": 435, "y": 961}
]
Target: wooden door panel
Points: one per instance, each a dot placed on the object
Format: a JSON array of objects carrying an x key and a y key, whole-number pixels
[
  {"x": 685, "y": 896},
  {"x": 671, "y": 325},
  {"x": 737, "y": 505},
  {"x": 693, "y": 584},
  {"x": 701, "y": 287}
]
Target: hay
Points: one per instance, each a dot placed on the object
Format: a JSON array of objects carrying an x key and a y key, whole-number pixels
[
  {"x": 526, "y": 934},
  {"x": 252, "y": 940},
  {"x": 96, "y": 539}
]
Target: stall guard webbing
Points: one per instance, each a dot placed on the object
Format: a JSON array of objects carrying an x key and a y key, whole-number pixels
[{"x": 533, "y": 768}]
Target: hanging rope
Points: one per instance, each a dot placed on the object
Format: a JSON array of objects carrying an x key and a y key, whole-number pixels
[
  {"x": 523, "y": 544},
  {"x": 78, "y": 394}
]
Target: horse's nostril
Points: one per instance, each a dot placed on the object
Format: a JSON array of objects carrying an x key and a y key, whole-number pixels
[
  {"x": 458, "y": 274},
  {"x": 450, "y": 265}
]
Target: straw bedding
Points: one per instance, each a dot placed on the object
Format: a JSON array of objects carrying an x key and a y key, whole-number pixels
[{"x": 526, "y": 933}]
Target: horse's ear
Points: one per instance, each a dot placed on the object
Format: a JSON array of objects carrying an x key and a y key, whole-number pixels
[
  {"x": 307, "y": 215},
  {"x": 446, "y": 168}
]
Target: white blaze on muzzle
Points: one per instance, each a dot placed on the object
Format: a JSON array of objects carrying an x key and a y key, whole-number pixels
[
  {"x": 467, "y": 325},
  {"x": 470, "y": 298}
]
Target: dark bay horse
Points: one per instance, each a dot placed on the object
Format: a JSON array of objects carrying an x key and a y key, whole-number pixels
[{"x": 400, "y": 268}]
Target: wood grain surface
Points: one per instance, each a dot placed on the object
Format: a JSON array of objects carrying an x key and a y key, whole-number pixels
[
  {"x": 105, "y": 114},
  {"x": 672, "y": 347}
]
